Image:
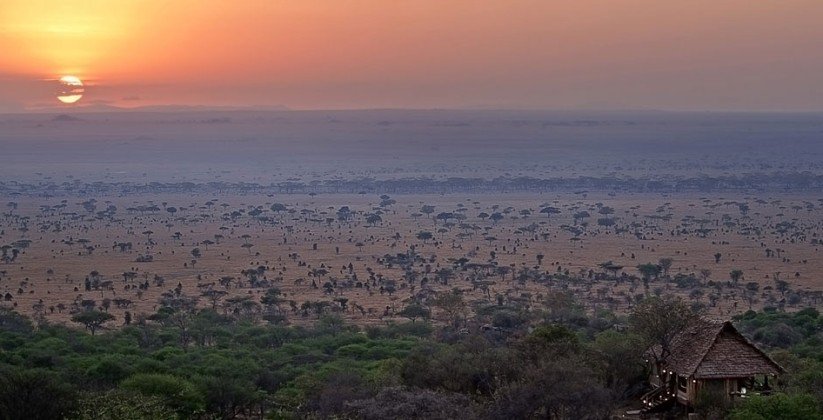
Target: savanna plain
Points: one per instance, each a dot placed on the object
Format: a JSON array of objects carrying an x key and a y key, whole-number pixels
[{"x": 373, "y": 252}]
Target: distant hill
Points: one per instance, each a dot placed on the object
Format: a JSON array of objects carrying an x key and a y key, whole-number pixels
[
  {"x": 98, "y": 108},
  {"x": 65, "y": 118}
]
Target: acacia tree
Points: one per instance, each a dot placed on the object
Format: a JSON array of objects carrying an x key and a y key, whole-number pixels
[
  {"x": 427, "y": 210},
  {"x": 736, "y": 275},
  {"x": 579, "y": 216},
  {"x": 373, "y": 219},
  {"x": 414, "y": 311},
  {"x": 452, "y": 304},
  {"x": 649, "y": 271},
  {"x": 444, "y": 216},
  {"x": 93, "y": 319},
  {"x": 214, "y": 296},
  {"x": 665, "y": 265},
  {"x": 658, "y": 320},
  {"x": 424, "y": 236},
  {"x": 549, "y": 211}
]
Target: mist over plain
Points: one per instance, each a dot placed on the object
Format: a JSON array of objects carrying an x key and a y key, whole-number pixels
[{"x": 267, "y": 147}]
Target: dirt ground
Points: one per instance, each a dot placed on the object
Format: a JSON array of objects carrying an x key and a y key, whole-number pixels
[{"x": 59, "y": 242}]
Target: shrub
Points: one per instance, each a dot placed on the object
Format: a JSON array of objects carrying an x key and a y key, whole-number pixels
[
  {"x": 779, "y": 406},
  {"x": 123, "y": 405},
  {"x": 35, "y": 394},
  {"x": 179, "y": 393}
]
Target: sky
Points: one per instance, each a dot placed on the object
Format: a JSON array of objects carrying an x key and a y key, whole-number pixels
[{"x": 740, "y": 55}]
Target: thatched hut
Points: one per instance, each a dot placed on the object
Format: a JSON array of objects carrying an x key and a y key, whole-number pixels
[{"x": 710, "y": 357}]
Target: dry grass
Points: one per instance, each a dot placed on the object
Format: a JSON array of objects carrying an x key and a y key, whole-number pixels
[{"x": 54, "y": 272}]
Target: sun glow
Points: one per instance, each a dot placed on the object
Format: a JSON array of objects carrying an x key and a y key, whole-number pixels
[
  {"x": 71, "y": 80},
  {"x": 66, "y": 37},
  {"x": 71, "y": 89}
]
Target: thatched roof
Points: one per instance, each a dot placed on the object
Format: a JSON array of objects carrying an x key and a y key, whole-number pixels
[{"x": 711, "y": 349}]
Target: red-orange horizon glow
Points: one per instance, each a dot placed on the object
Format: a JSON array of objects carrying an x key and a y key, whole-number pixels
[{"x": 679, "y": 54}]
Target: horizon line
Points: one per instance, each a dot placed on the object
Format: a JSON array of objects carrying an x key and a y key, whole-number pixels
[{"x": 193, "y": 108}]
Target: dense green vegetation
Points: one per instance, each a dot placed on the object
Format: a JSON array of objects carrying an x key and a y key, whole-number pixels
[{"x": 556, "y": 365}]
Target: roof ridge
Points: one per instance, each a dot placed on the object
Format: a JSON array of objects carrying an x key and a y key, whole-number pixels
[{"x": 709, "y": 348}]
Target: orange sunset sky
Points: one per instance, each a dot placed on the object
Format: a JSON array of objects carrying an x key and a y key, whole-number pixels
[{"x": 570, "y": 54}]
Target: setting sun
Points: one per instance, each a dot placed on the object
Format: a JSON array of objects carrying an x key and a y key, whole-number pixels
[{"x": 71, "y": 89}]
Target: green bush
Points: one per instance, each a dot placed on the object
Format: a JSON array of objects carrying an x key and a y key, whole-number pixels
[
  {"x": 178, "y": 393},
  {"x": 34, "y": 394},
  {"x": 779, "y": 406},
  {"x": 123, "y": 405}
]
